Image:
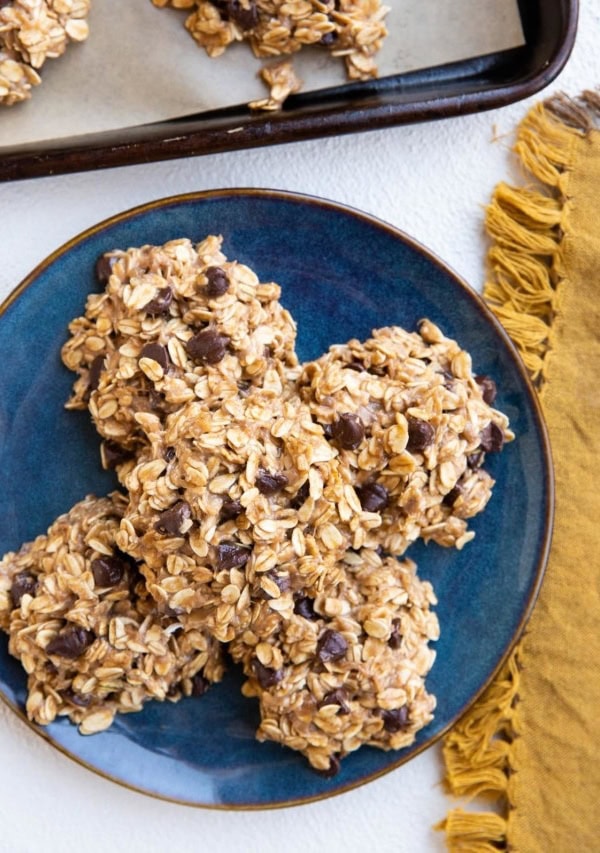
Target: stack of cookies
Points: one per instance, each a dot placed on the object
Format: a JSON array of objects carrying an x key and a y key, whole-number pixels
[{"x": 265, "y": 505}]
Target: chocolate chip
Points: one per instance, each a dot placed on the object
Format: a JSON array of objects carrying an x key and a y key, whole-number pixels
[
  {"x": 492, "y": 438},
  {"x": 105, "y": 263},
  {"x": 96, "y": 368},
  {"x": 333, "y": 769},
  {"x": 396, "y": 720},
  {"x": 301, "y": 496},
  {"x": 475, "y": 460},
  {"x": 155, "y": 401},
  {"x": 71, "y": 642},
  {"x": 331, "y": 646},
  {"x": 282, "y": 581},
  {"x": 169, "y": 454},
  {"x": 199, "y": 685},
  {"x": 128, "y": 561},
  {"x": 420, "y": 435},
  {"x": 453, "y": 495},
  {"x": 356, "y": 365},
  {"x": 266, "y": 676},
  {"x": 160, "y": 304},
  {"x": 76, "y": 698},
  {"x": 348, "y": 431},
  {"x": 231, "y": 555},
  {"x": 373, "y": 497},
  {"x": 269, "y": 483},
  {"x": 108, "y": 571},
  {"x": 137, "y": 582},
  {"x": 172, "y": 520},
  {"x": 335, "y": 697},
  {"x": 395, "y": 640},
  {"x": 218, "y": 283},
  {"x": 207, "y": 347},
  {"x": 328, "y": 39},
  {"x": 488, "y": 388},
  {"x": 158, "y": 353},
  {"x": 23, "y": 584},
  {"x": 230, "y": 509},
  {"x": 112, "y": 454},
  {"x": 305, "y": 607},
  {"x": 246, "y": 17}
]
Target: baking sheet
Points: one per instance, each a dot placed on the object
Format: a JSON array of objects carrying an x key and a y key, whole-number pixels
[{"x": 140, "y": 66}]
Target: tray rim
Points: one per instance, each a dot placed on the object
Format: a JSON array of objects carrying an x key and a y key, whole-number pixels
[{"x": 228, "y": 130}]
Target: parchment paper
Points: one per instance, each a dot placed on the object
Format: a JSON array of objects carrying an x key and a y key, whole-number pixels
[{"x": 141, "y": 66}]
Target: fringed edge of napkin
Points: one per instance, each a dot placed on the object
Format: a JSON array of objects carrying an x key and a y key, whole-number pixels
[{"x": 526, "y": 276}]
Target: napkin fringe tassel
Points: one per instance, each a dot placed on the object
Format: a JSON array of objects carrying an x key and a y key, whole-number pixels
[
  {"x": 474, "y": 832},
  {"x": 527, "y": 225},
  {"x": 477, "y": 759}
]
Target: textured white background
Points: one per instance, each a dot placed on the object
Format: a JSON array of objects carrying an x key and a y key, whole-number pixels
[{"x": 431, "y": 180}]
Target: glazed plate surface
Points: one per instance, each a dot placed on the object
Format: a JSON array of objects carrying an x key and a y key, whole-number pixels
[{"x": 342, "y": 274}]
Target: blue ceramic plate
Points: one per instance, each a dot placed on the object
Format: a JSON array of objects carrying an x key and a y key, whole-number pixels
[{"x": 343, "y": 274}]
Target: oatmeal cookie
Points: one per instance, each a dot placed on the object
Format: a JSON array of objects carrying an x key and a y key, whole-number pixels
[
  {"x": 85, "y": 630},
  {"x": 352, "y": 29},
  {"x": 176, "y": 323},
  {"x": 234, "y": 510},
  {"x": 32, "y": 31},
  {"x": 16, "y": 78},
  {"x": 413, "y": 426},
  {"x": 38, "y": 30},
  {"x": 348, "y": 667}
]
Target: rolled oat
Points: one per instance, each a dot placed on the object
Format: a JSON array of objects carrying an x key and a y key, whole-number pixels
[
  {"x": 282, "y": 81},
  {"x": 16, "y": 78}
]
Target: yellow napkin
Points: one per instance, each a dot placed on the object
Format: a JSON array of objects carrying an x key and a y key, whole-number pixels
[{"x": 533, "y": 740}]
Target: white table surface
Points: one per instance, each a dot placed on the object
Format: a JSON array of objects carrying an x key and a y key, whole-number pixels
[{"x": 431, "y": 180}]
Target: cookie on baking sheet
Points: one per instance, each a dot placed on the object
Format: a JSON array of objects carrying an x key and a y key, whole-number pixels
[
  {"x": 32, "y": 31},
  {"x": 16, "y": 78},
  {"x": 351, "y": 29}
]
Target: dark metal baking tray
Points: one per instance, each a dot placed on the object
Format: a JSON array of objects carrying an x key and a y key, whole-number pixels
[{"x": 462, "y": 87}]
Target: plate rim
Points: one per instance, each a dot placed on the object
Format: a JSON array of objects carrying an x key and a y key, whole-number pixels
[{"x": 533, "y": 398}]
